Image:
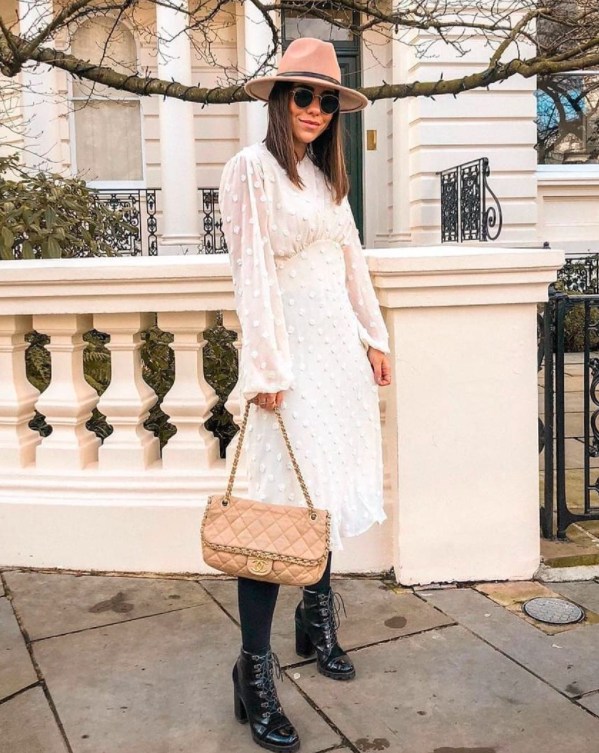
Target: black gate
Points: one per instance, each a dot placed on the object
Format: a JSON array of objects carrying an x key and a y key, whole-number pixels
[{"x": 569, "y": 323}]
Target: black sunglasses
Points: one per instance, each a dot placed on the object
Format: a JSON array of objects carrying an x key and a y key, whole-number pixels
[{"x": 329, "y": 103}]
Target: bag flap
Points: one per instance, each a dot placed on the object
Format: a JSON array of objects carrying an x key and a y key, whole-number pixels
[{"x": 264, "y": 527}]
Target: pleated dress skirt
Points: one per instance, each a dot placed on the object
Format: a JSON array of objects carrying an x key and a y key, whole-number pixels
[{"x": 331, "y": 413}]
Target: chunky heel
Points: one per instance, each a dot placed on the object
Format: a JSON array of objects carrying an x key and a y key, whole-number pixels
[
  {"x": 256, "y": 701},
  {"x": 240, "y": 711},
  {"x": 303, "y": 645}
]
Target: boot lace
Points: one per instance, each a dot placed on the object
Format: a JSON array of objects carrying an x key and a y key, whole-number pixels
[
  {"x": 329, "y": 609},
  {"x": 263, "y": 669}
]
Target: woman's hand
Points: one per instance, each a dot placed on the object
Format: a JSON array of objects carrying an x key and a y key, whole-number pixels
[
  {"x": 268, "y": 400},
  {"x": 380, "y": 366}
]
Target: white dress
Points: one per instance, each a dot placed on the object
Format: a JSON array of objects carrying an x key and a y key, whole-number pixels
[{"x": 308, "y": 313}]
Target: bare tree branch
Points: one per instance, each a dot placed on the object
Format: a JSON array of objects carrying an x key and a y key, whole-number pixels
[{"x": 564, "y": 34}]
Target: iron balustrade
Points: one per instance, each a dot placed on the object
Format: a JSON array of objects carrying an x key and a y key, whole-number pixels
[
  {"x": 557, "y": 509},
  {"x": 141, "y": 208},
  {"x": 465, "y": 215},
  {"x": 213, "y": 239},
  {"x": 580, "y": 273}
]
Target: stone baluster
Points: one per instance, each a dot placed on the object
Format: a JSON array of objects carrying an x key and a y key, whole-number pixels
[
  {"x": 69, "y": 400},
  {"x": 128, "y": 398},
  {"x": 234, "y": 401},
  {"x": 190, "y": 399},
  {"x": 17, "y": 396}
]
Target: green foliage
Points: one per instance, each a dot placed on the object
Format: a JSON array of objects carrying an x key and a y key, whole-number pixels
[{"x": 45, "y": 216}]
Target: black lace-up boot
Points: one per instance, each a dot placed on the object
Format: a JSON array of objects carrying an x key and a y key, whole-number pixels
[
  {"x": 256, "y": 701},
  {"x": 316, "y": 623}
]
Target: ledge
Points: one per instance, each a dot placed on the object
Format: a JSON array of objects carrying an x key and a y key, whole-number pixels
[{"x": 407, "y": 276}]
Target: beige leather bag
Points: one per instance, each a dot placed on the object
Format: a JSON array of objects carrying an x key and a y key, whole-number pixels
[{"x": 278, "y": 543}]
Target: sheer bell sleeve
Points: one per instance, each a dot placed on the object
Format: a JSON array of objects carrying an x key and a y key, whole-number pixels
[
  {"x": 265, "y": 357},
  {"x": 371, "y": 324}
]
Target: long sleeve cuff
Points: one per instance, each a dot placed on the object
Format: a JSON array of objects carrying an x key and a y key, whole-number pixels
[{"x": 379, "y": 344}]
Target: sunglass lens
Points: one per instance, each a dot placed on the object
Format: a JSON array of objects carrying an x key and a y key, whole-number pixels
[
  {"x": 329, "y": 104},
  {"x": 302, "y": 97}
]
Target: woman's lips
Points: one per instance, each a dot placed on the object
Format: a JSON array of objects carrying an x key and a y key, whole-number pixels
[{"x": 311, "y": 126}]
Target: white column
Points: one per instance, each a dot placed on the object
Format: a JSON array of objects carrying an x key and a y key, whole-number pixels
[
  {"x": 42, "y": 147},
  {"x": 255, "y": 40},
  {"x": 400, "y": 143},
  {"x": 181, "y": 219}
]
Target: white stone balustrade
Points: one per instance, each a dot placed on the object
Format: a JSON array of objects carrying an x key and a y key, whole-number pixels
[{"x": 459, "y": 419}]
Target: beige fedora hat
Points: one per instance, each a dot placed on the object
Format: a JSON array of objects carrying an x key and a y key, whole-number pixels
[{"x": 309, "y": 61}]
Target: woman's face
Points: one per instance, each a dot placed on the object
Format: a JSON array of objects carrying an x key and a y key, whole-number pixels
[{"x": 308, "y": 123}]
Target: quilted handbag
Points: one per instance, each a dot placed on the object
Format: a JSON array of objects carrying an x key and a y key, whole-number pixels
[{"x": 279, "y": 543}]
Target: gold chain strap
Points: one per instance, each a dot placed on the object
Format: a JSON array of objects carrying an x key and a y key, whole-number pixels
[{"x": 293, "y": 460}]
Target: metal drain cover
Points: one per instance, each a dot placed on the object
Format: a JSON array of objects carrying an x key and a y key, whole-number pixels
[{"x": 552, "y": 610}]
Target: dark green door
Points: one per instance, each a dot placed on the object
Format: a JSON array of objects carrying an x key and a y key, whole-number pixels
[{"x": 351, "y": 124}]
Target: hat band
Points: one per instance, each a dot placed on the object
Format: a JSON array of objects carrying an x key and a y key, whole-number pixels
[{"x": 312, "y": 75}]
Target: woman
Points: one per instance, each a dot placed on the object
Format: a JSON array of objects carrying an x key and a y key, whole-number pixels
[{"x": 314, "y": 344}]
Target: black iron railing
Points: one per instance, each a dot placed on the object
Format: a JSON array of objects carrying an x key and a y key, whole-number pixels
[
  {"x": 465, "y": 215},
  {"x": 573, "y": 317},
  {"x": 580, "y": 274},
  {"x": 141, "y": 208},
  {"x": 213, "y": 239}
]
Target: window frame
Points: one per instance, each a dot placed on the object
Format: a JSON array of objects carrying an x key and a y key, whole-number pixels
[
  {"x": 570, "y": 173},
  {"x": 117, "y": 185}
]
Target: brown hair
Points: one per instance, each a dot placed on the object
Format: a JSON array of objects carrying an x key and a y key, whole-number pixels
[{"x": 326, "y": 151}]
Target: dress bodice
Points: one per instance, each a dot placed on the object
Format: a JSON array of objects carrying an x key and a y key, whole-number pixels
[{"x": 267, "y": 220}]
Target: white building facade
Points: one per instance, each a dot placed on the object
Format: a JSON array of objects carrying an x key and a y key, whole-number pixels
[{"x": 395, "y": 149}]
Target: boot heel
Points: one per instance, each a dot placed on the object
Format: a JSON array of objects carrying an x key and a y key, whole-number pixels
[
  {"x": 303, "y": 644},
  {"x": 240, "y": 712}
]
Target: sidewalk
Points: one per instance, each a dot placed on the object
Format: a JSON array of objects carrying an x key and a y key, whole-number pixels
[{"x": 112, "y": 664}]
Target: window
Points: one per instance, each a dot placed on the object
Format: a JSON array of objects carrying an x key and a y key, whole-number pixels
[
  {"x": 568, "y": 119},
  {"x": 107, "y": 123},
  {"x": 567, "y": 103},
  {"x": 297, "y": 23}
]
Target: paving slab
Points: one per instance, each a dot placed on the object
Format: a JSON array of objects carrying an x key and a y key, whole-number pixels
[
  {"x": 446, "y": 691},
  {"x": 27, "y": 725},
  {"x": 570, "y": 553},
  {"x": 160, "y": 684},
  {"x": 55, "y": 603},
  {"x": 374, "y": 613},
  {"x": 585, "y": 593},
  {"x": 590, "y": 702},
  {"x": 16, "y": 669},
  {"x": 569, "y": 662},
  {"x": 566, "y": 574}
]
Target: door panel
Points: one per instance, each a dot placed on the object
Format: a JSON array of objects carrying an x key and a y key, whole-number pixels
[{"x": 351, "y": 124}]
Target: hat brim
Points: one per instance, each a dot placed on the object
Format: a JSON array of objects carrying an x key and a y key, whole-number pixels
[{"x": 350, "y": 100}]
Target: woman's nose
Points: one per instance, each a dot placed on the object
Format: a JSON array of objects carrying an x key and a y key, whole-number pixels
[{"x": 314, "y": 106}]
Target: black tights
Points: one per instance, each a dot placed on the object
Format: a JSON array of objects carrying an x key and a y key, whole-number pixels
[{"x": 257, "y": 600}]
